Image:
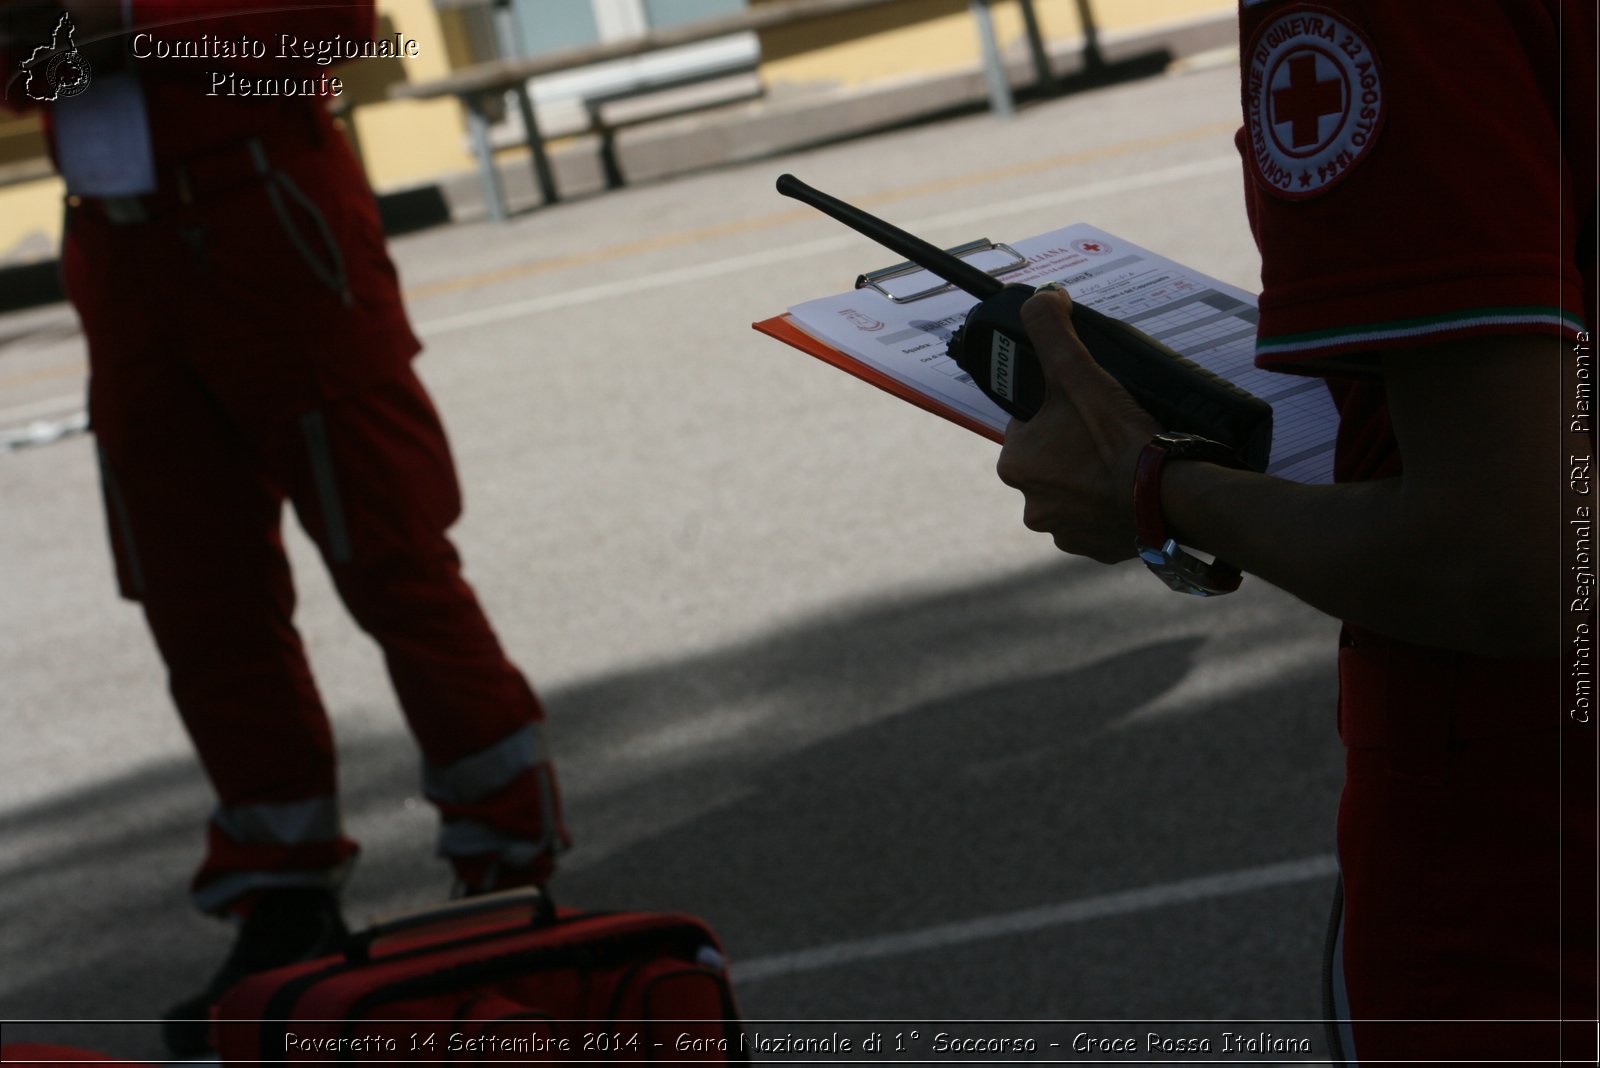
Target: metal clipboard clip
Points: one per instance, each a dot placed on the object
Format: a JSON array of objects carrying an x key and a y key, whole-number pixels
[{"x": 972, "y": 249}]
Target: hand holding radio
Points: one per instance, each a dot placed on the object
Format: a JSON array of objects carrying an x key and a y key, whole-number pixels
[
  {"x": 1074, "y": 460},
  {"x": 1113, "y": 405}
]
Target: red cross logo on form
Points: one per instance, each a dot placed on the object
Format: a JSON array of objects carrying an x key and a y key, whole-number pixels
[{"x": 1313, "y": 100}]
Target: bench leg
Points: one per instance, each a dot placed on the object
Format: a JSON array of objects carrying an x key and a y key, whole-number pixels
[
  {"x": 1043, "y": 79},
  {"x": 494, "y": 196},
  {"x": 994, "y": 67},
  {"x": 608, "y": 149},
  {"x": 542, "y": 173},
  {"x": 1094, "y": 62}
]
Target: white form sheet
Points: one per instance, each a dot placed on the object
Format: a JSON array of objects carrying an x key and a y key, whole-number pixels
[{"x": 1208, "y": 321}]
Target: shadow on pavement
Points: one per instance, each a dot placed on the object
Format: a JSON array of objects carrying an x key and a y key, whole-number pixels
[{"x": 886, "y": 766}]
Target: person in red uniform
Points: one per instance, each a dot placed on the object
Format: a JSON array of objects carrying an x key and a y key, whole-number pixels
[
  {"x": 248, "y": 346},
  {"x": 1421, "y": 185}
]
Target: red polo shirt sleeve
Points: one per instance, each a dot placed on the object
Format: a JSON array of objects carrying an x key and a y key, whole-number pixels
[{"x": 1415, "y": 175}]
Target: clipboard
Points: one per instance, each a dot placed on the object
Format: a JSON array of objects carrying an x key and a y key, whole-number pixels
[
  {"x": 885, "y": 281},
  {"x": 784, "y": 328},
  {"x": 898, "y": 346}
]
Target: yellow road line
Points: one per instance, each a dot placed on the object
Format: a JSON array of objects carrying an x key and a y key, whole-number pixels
[{"x": 77, "y": 368}]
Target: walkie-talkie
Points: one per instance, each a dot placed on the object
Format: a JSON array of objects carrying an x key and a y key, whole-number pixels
[{"x": 993, "y": 348}]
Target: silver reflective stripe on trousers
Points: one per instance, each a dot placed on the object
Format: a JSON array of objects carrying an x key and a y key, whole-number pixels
[
  {"x": 1341, "y": 999},
  {"x": 488, "y": 771},
  {"x": 218, "y": 894},
  {"x": 468, "y": 838},
  {"x": 287, "y": 824},
  {"x": 1338, "y": 998},
  {"x": 290, "y": 823}
]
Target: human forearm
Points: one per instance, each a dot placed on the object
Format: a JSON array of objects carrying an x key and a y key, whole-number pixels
[
  {"x": 1362, "y": 553},
  {"x": 1460, "y": 551}
]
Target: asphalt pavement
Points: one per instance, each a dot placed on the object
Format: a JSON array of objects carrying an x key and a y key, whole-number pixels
[{"x": 808, "y": 675}]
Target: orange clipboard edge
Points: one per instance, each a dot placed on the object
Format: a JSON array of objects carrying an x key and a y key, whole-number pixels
[{"x": 784, "y": 329}]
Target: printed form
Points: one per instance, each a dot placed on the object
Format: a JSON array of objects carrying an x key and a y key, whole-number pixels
[{"x": 1206, "y": 320}]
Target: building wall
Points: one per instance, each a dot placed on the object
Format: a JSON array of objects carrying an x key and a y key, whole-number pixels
[
  {"x": 409, "y": 143},
  {"x": 930, "y": 36}
]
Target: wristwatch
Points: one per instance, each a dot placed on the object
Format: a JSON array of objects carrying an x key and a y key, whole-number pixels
[{"x": 1171, "y": 563}]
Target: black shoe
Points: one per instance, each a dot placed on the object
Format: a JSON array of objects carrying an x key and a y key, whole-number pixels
[{"x": 285, "y": 926}]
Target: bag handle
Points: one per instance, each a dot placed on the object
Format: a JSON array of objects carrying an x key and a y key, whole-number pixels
[{"x": 358, "y": 947}]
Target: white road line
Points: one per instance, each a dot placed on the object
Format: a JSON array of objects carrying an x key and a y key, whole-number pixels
[
  {"x": 1025, "y": 921},
  {"x": 516, "y": 309},
  {"x": 499, "y": 313}
]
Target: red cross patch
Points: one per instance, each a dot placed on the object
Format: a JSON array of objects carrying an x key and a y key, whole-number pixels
[{"x": 1313, "y": 100}]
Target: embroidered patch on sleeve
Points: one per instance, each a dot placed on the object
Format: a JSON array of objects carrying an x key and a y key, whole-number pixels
[{"x": 1313, "y": 100}]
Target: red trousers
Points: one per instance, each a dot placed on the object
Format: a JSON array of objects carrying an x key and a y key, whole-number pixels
[
  {"x": 1467, "y": 846},
  {"x": 248, "y": 348}
]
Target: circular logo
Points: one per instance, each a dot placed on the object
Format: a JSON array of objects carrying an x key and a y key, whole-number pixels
[
  {"x": 1091, "y": 246},
  {"x": 862, "y": 321},
  {"x": 67, "y": 75},
  {"x": 1313, "y": 101}
]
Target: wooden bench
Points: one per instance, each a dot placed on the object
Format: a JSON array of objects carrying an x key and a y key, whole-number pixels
[
  {"x": 478, "y": 86},
  {"x": 600, "y": 118}
]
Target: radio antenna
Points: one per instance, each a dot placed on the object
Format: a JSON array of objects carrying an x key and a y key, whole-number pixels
[{"x": 952, "y": 269}]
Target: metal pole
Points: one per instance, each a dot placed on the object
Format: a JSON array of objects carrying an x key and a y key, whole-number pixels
[
  {"x": 506, "y": 37},
  {"x": 1043, "y": 78},
  {"x": 494, "y": 197},
  {"x": 1093, "y": 61},
  {"x": 542, "y": 174},
  {"x": 994, "y": 68}
]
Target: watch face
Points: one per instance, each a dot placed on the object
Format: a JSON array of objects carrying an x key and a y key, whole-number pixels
[{"x": 1185, "y": 574}]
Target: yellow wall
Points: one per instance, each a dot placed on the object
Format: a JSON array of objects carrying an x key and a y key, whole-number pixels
[
  {"x": 30, "y": 218},
  {"x": 928, "y": 36},
  {"x": 407, "y": 143}
]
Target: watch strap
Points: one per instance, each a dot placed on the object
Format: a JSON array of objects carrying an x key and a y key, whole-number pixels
[{"x": 1169, "y": 561}]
